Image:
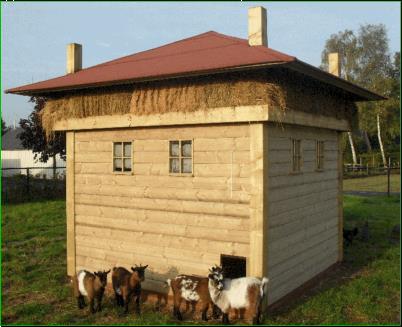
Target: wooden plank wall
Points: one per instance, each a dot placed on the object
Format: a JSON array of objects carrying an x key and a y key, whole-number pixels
[
  {"x": 302, "y": 209},
  {"x": 174, "y": 224}
]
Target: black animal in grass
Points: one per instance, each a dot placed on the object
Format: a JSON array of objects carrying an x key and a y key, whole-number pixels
[{"x": 349, "y": 235}]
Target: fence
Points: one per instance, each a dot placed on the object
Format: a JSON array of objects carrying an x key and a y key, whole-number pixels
[
  {"x": 33, "y": 183},
  {"x": 368, "y": 178}
]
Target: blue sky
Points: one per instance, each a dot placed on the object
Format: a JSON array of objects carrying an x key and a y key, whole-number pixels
[{"x": 34, "y": 35}]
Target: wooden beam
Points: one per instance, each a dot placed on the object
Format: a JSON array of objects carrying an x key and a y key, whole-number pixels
[
  {"x": 340, "y": 198},
  {"x": 70, "y": 202},
  {"x": 241, "y": 114},
  {"x": 257, "y": 261},
  {"x": 301, "y": 118}
]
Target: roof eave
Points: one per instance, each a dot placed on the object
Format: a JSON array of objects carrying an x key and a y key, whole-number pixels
[
  {"x": 139, "y": 80},
  {"x": 325, "y": 77}
]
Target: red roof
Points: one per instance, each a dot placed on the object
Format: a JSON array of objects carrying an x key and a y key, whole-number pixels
[
  {"x": 201, "y": 54},
  {"x": 204, "y": 52}
]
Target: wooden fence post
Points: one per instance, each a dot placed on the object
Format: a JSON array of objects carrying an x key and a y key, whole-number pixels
[{"x": 28, "y": 191}]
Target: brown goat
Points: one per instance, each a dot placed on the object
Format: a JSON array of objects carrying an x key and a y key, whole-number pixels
[
  {"x": 192, "y": 289},
  {"x": 91, "y": 286},
  {"x": 126, "y": 285}
]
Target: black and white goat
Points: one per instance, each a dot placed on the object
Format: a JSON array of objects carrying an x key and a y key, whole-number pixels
[{"x": 239, "y": 293}]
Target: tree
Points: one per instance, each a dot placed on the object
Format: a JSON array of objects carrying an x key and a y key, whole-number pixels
[
  {"x": 366, "y": 61},
  {"x": 4, "y": 127},
  {"x": 33, "y": 136},
  {"x": 345, "y": 43}
]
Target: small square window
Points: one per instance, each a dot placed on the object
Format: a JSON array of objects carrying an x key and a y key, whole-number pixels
[
  {"x": 181, "y": 157},
  {"x": 122, "y": 156},
  {"x": 296, "y": 156},
  {"x": 320, "y": 155}
]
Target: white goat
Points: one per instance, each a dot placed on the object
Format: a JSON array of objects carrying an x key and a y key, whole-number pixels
[{"x": 239, "y": 293}]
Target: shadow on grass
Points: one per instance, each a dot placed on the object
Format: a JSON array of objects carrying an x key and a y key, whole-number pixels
[{"x": 381, "y": 215}]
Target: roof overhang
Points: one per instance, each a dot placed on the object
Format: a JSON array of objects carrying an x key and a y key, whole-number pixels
[
  {"x": 358, "y": 93},
  {"x": 322, "y": 76}
]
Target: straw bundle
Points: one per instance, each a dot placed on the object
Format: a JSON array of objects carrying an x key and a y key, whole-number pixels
[{"x": 274, "y": 88}]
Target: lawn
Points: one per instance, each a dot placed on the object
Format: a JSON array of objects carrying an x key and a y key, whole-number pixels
[
  {"x": 364, "y": 289},
  {"x": 372, "y": 183}
]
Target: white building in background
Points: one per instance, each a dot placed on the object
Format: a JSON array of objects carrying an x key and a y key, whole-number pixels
[{"x": 14, "y": 155}]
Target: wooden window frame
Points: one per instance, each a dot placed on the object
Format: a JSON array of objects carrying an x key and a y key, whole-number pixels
[
  {"x": 296, "y": 158},
  {"x": 320, "y": 155},
  {"x": 180, "y": 157},
  {"x": 123, "y": 172}
]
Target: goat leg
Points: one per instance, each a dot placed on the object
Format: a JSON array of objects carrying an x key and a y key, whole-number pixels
[
  {"x": 216, "y": 312},
  {"x": 99, "y": 307},
  {"x": 204, "y": 314},
  {"x": 91, "y": 305},
  {"x": 126, "y": 302},
  {"x": 137, "y": 305},
  {"x": 225, "y": 318},
  {"x": 81, "y": 302}
]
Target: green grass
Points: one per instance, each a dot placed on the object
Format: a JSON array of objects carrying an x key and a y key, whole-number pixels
[
  {"x": 372, "y": 183},
  {"x": 364, "y": 289}
]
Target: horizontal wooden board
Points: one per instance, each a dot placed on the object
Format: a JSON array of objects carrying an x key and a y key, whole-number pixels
[
  {"x": 212, "y": 208},
  {"x": 207, "y": 233}
]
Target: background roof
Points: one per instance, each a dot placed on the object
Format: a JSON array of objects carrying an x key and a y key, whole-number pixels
[{"x": 10, "y": 140}]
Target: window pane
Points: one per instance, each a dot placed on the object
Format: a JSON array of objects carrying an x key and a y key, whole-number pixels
[
  {"x": 117, "y": 165},
  {"x": 186, "y": 149},
  {"x": 127, "y": 149},
  {"x": 174, "y": 166},
  {"x": 186, "y": 165},
  {"x": 174, "y": 148},
  {"x": 117, "y": 149},
  {"x": 127, "y": 164}
]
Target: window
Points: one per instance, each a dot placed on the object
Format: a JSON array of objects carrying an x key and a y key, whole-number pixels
[
  {"x": 181, "y": 157},
  {"x": 296, "y": 156},
  {"x": 234, "y": 267},
  {"x": 320, "y": 155},
  {"x": 122, "y": 156}
]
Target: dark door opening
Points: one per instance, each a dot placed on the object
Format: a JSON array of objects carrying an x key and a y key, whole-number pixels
[{"x": 233, "y": 267}]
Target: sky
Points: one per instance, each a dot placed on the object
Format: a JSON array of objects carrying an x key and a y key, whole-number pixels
[{"x": 34, "y": 35}]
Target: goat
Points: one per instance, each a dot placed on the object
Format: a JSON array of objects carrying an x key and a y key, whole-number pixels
[
  {"x": 239, "y": 293},
  {"x": 91, "y": 286},
  {"x": 192, "y": 289},
  {"x": 349, "y": 235},
  {"x": 126, "y": 285}
]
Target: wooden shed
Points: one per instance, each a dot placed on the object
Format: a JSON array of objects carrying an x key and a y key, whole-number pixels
[{"x": 208, "y": 150}]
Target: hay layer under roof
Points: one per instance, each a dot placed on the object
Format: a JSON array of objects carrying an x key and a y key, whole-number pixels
[{"x": 277, "y": 88}]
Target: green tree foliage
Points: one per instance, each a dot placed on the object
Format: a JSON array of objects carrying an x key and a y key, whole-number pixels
[
  {"x": 33, "y": 136},
  {"x": 366, "y": 61}
]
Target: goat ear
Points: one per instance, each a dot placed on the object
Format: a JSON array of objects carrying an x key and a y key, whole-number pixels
[
  {"x": 132, "y": 268},
  {"x": 145, "y": 267},
  {"x": 95, "y": 273},
  {"x": 106, "y": 272}
]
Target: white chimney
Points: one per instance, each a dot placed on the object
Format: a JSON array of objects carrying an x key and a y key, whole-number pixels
[
  {"x": 257, "y": 26},
  {"x": 334, "y": 64},
  {"x": 74, "y": 57}
]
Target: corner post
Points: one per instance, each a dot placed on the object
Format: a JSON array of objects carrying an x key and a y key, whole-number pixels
[
  {"x": 257, "y": 263},
  {"x": 340, "y": 198},
  {"x": 70, "y": 202}
]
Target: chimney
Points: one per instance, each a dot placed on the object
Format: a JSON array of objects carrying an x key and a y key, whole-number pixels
[
  {"x": 334, "y": 64},
  {"x": 74, "y": 57},
  {"x": 257, "y": 26}
]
